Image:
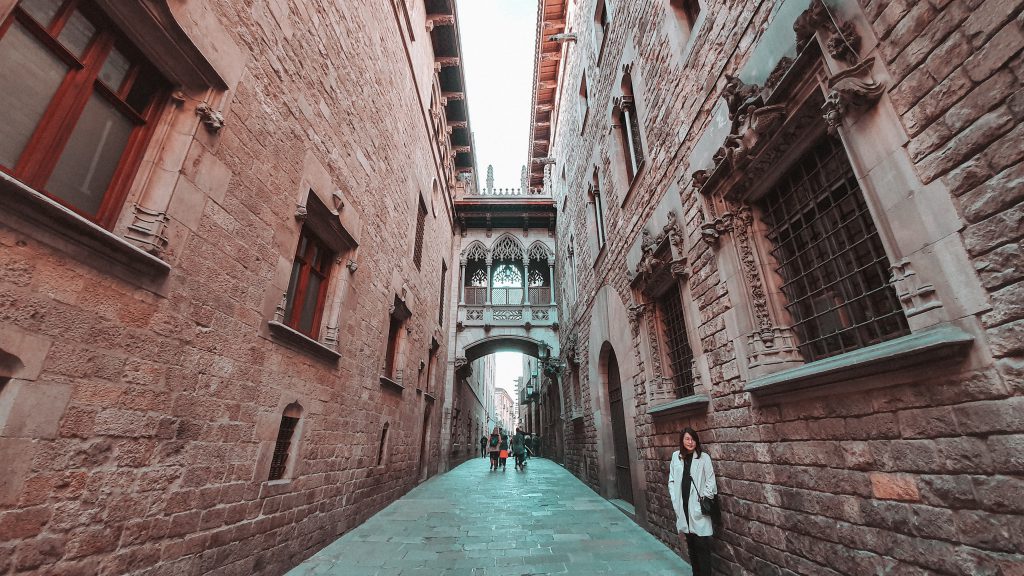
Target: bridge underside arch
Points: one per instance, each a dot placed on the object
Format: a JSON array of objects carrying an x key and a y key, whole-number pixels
[{"x": 492, "y": 344}]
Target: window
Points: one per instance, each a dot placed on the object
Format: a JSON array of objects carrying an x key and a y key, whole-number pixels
[
  {"x": 431, "y": 360},
  {"x": 834, "y": 269},
  {"x": 394, "y": 352},
  {"x": 680, "y": 356},
  {"x": 440, "y": 304},
  {"x": 77, "y": 105},
  {"x": 582, "y": 102},
  {"x": 307, "y": 288},
  {"x": 282, "y": 448},
  {"x": 628, "y": 129},
  {"x": 382, "y": 450},
  {"x": 685, "y": 12},
  {"x": 597, "y": 203},
  {"x": 421, "y": 220},
  {"x": 600, "y": 28}
]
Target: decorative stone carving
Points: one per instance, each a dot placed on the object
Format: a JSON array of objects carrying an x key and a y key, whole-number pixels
[
  {"x": 338, "y": 201},
  {"x": 352, "y": 265},
  {"x": 569, "y": 351},
  {"x": 212, "y": 119},
  {"x": 301, "y": 212},
  {"x": 742, "y": 222},
  {"x": 280, "y": 308},
  {"x": 636, "y": 315},
  {"x": 773, "y": 346},
  {"x": 331, "y": 337},
  {"x": 843, "y": 42},
  {"x": 507, "y": 248},
  {"x": 661, "y": 389},
  {"x": 916, "y": 296},
  {"x": 147, "y": 229},
  {"x": 739, "y": 96},
  {"x": 852, "y": 88},
  {"x": 711, "y": 231},
  {"x": 778, "y": 73}
]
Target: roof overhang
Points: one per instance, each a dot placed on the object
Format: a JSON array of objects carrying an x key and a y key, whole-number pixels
[
  {"x": 547, "y": 59},
  {"x": 443, "y": 26}
]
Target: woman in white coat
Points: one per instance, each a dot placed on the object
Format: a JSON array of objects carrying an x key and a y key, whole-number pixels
[{"x": 691, "y": 474}]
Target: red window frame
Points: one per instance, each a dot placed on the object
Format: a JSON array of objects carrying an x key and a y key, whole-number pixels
[
  {"x": 43, "y": 150},
  {"x": 308, "y": 265}
]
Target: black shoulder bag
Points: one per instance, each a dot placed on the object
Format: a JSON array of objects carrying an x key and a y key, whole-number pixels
[{"x": 708, "y": 504}]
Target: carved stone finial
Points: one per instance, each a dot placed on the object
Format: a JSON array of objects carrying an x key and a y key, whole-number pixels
[
  {"x": 490, "y": 177},
  {"x": 212, "y": 119}
]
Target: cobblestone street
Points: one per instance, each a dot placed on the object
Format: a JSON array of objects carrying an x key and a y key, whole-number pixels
[{"x": 474, "y": 522}]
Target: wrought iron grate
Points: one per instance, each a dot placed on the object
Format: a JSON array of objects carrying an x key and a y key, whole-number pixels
[
  {"x": 284, "y": 440},
  {"x": 835, "y": 271},
  {"x": 680, "y": 356}
]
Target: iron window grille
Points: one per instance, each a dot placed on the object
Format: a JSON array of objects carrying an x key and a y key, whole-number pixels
[
  {"x": 680, "y": 356},
  {"x": 421, "y": 220},
  {"x": 77, "y": 105},
  {"x": 279, "y": 463},
  {"x": 834, "y": 269}
]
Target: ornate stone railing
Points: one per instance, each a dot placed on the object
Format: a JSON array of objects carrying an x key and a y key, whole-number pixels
[{"x": 508, "y": 315}]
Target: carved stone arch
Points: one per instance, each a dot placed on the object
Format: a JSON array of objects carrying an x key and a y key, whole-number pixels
[
  {"x": 475, "y": 251},
  {"x": 508, "y": 248},
  {"x": 539, "y": 251}
]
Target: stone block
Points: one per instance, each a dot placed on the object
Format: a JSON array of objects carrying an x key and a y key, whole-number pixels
[
  {"x": 894, "y": 487},
  {"x": 32, "y": 409},
  {"x": 994, "y": 53}
]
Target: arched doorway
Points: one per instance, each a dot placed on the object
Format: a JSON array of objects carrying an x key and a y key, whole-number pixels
[{"x": 623, "y": 479}]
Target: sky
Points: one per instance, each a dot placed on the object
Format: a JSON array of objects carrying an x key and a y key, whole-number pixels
[
  {"x": 507, "y": 367},
  {"x": 497, "y": 48}
]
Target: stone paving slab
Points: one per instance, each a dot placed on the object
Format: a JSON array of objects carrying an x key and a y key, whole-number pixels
[{"x": 474, "y": 522}]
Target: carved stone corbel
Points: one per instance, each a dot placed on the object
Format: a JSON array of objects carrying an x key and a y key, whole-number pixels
[
  {"x": 854, "y": 87},
  {"x": 916, "y": 296},
  {"x": 147, "y": 230},
  {"x": 843, "y": 42},
  {"x": 212, "y": 119},
  {"x": 301, "y": 212},
  {"x": 711, "y": 231}
]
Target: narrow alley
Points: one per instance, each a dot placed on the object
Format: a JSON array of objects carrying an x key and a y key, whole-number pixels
[{"x": 474, "y": 522}]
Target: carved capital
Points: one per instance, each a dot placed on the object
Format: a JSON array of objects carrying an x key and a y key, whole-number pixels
[
  {"x": 711, "y": 231},
  {"x": 852, "y": 88}
]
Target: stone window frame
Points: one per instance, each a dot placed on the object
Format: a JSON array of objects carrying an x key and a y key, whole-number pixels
[
  {"x": 286, "y": 470},
  {"x": 596, "y": 201},
  {"x": 629, "y": 134},
  {"x": 836, "y": 83},
  {"x": 631, "y": 76},
  {"x": 600, "y": 25},
  {"x": 684, "y": 42},
  {"x": 582, "y": 102},
  {"x": 186, "y": 44},
  {"x": 268, "y": 428},
  {"x": 661, "y": 270},
  {"x": 421, "y": 225},
  {"x": 392, "y": 371},
  {"x": 326, "y": 211}
]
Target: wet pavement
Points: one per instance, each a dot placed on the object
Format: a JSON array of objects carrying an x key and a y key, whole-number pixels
[{"x": 474, "y": 522}]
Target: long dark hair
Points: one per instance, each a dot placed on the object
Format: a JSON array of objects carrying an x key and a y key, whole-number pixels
[{"x": 693, "y": 434}]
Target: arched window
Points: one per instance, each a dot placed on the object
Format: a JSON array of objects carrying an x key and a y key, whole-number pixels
[
  {"x": 280, "y": 462},
  {"x": 479, "y": 279}
]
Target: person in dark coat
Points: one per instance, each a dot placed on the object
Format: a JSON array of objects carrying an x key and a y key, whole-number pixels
[
  {"x": 519, "y": 448},
  {"x": 483, "y": 446},
  {"x": 503, "y": 448}
]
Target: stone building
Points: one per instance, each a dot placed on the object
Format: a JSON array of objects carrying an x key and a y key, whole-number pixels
[
  {"x": 794, "y": 226},
  {"x": 472, "y": 409},
  {"x": 225, "y": 239},
  {"x": 504, "y": 408}
]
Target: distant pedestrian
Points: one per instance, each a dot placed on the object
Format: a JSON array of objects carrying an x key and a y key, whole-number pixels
[
  {"x": 519, "y": 448},
  {"x": 483, "y": 446},
  {"x": 691, "y": 478},
  {"x": 493, "y": 447},
  {"x": 503, "y": 452}
]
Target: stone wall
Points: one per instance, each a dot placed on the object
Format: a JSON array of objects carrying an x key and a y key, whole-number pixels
[
  {"x": 139, "y": 412},
  {"x": 912, "y": 470}
]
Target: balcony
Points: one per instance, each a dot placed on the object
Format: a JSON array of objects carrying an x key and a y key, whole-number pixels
[{"x": 507, "y": 307}]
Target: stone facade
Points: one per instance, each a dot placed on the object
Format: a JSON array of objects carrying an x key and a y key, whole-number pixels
[
  {"x": 144, "y": 369},
  {"x": 472, "y": 410},
  {"x": 899, "y": 457}
]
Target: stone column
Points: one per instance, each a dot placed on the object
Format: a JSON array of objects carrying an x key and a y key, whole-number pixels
[
  {"x": 462, "y": 281},
  {"x": 488, "y": 299},
  {"x": 551, "y": 279},
  {"x": 526, "y": 281}
]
